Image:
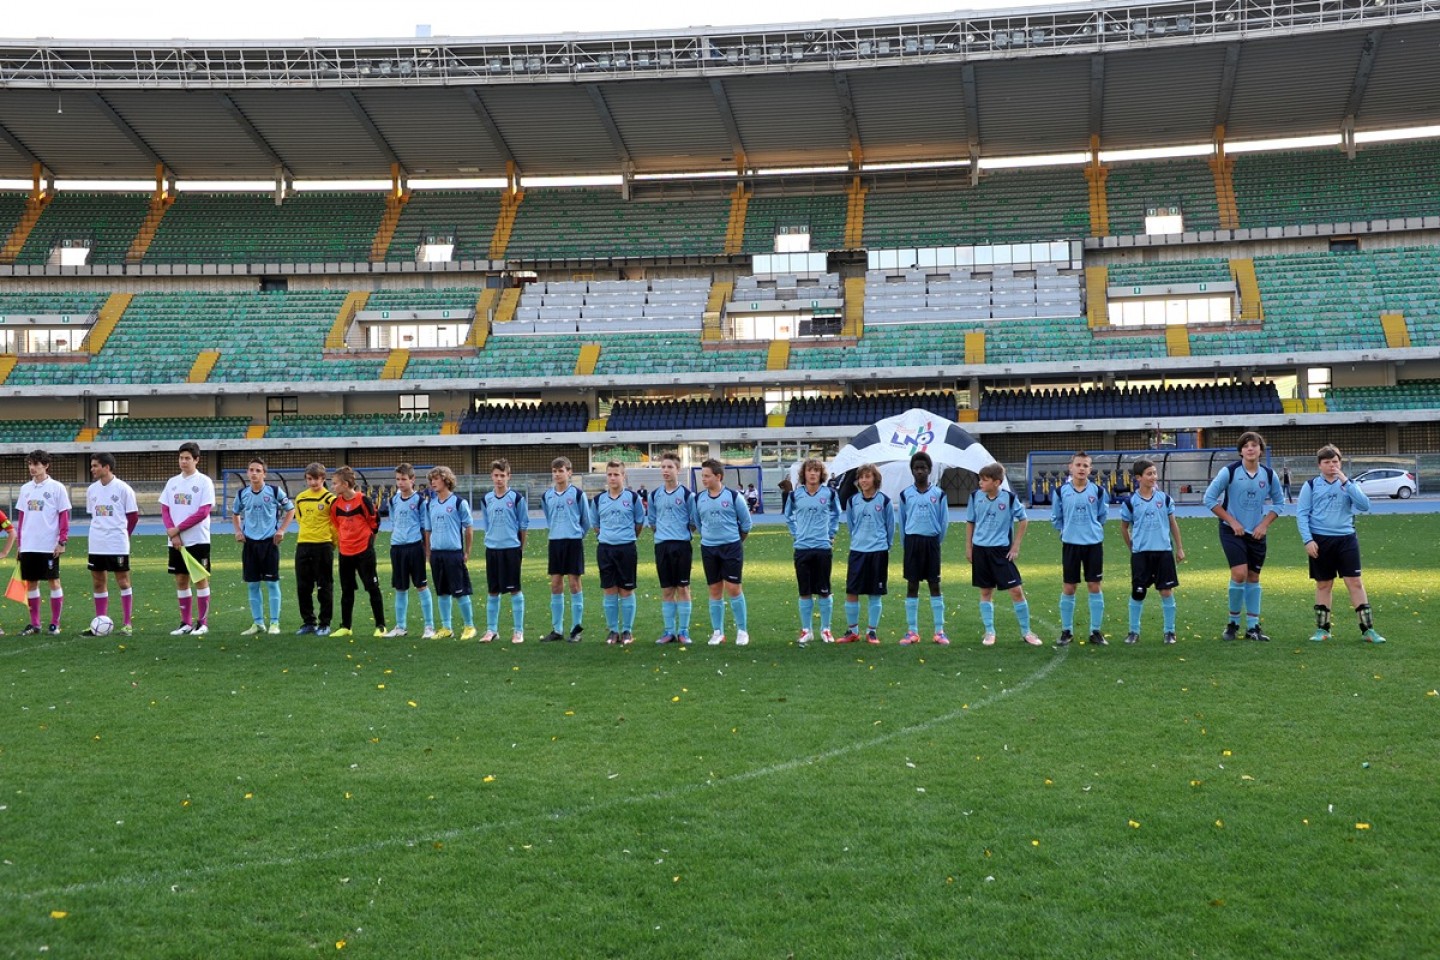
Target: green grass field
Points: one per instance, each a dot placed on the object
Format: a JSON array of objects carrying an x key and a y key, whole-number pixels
[{"x": 288, "y": 797}]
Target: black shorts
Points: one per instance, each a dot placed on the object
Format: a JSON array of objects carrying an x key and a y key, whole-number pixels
[
  {"x": 39, "y": 566},
  {"x": 867, "y": 573},
  {"x": 991, "y": 568},
  {"x": 812, "y": 572},
  {"x": 1338, "y": 556},
  {"x": 1077, "y": 556},
  {"x": 108, "y": 562},
  {"x": 673, "y": 560},
  {"x": 260, "y": 560},
  {"x": 407, "y": 566},
  {"x": 1242, "y": 551},
  {"x": 922, "y": 558},
  {"x": 617, "y": 563},
  {"x": 725, "y": 562},
  {"x": 502, "y": 570},
  {"x": 176, "y": 564},
  {"x": 448, "y": 570},
  {"x": 1153, "y": 568},
  {"x": 567, "y": 558}
]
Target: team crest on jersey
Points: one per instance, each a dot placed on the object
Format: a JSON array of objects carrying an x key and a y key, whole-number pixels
[{"x": 921, "y": 439}]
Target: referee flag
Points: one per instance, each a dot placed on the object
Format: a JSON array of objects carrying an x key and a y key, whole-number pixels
[
  {"x": 16, "y": 590},
  {"x": 196, "y": 568}
]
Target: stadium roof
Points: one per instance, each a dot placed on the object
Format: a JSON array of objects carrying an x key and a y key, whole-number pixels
[{"x": 1036, "y": 80}]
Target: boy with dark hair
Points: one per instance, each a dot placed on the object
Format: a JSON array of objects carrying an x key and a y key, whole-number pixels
[
  {"x": 452, "y": 535},
  {"x": 567, "y": 514},
  {"x": 870, "y": 517},
  {"x": 923, "y": 520},
  {"x": 723, "y": 519},
  {"x": 995, "y": 525},
  {"x": 1246, "y": 496},
  {"x": 185, "y": 507},
  {"x": 42, "y": 518},
  {"x": 669, "y": 515},
  {"x": 315, "y": 552},
  {"x": 260, "y": 513},
  {"x": 114, "y": 513},
  {"x": 409, "y": 550},
  {"x": 1079, "y": 513},
  {"x": 813, "y": 515},
  {"x": 356, "y": 522},
  {"x": 1148, "y": 524},
  {"x": 1325, "y": 515},
  {"x": 617, "y": 516},
  {"x": 506, "y": 519}
]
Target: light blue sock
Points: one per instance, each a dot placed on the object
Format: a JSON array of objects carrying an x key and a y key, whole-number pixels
[
  {"x": 1237, "y": 600},
  {"x": 1167, "y": 607},
  {"x": 627, "y": 614},
  {"x": 987, "y": 615},
  {"x": 667, "y": 614},
  {"x": 852, "y": 613},
  {"x": 827, "y": 612},
  {"x": 612, "y": 612},
  {"x": 517, "y": 610},
  {"x": 1022, "y": 614},
  {"x": 444, "y": 603},
  {"x": 912, "y": 614},
  {"x": 557, "y": 612},
  {"x": 257, "y": 605},
  {"x": 876, "y": 603},
  {"x": 427, "y": 608},
  {"x": 682, "y": 617},
  {"x": 1067, "y": 612},
  {"x": 467, "y": 610},
  {"x": 577, "y": 608},
  {"x": 1097, "y": 611},
  {"x": 274, "y": 587},
  {"x": 1252, "y": 604},
  {"x": 402, "y": 607},
  {"x": 1136, "y": 608},
  {"x": 807, "y": 612},
  {"x": 492, "y": 613},
  {"x": 739, "y": 612},
  {"x": 717, "y": 614},
  {"x": 937, "y": 611}
]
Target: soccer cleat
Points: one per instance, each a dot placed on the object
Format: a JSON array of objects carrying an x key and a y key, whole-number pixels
[
  {"x": 826, "y": 636},
  {"x": 127, "y": 630},
  {"x": 428, "y": 634},
  {"x": 1370, "y": 636},
  {"x": 575, "y": 632},
  {"x": 1065, "y": 638},
  {"x": 717, "y": 638},
  {"x": 910, "y": 637},
  {"x": 342, "y": 632},
  {"x": 1320, "y": 636},
  {"x": 552, "y": 637},
  {"x": 32, "y": 630},
  {"x": 53, "y": 629},
  {"x": 380, "y": 632},
  {"x": 306, "y": 630},
  {"x": 274, "y": 630},
  {"x": 201, "y": 630},
  {"x": 1169, "y": 637},
  {"x": 517, "y": 637},
  {"x": 742, "y": 639},
  {"x": 253, "y": 629},
  {"x": 1097, "y": 639},
  {"x": 851, "y": 635},
  {"x": 667, "y": 638},
  {"x": 1132, "y": 637},
  {"x": 468, "y": 633},
  {"x": 941, "y": 639},
  {"x": 1232, "y": 631},
  {"x": 444, "y": 633},
  {"x": 1032, "y": 640},
  {"x": 612, "y": 638},
  {"x": 87, "y": 632},
  {"x": 871, "y": 637},
  {"x": 805, "y": 637},
  {"x": 396, "y": 632},
  {"x": 626, "y": 638},
  {"x": 684, "y": 640},
  {"x": 489, "y": 636},
  {"x": 988, "y": 640},
  {"x": 1254, "y": 634},
  {"x": 323, "y": 631}
]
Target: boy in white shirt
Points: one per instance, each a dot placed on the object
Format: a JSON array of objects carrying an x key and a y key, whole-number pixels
[
  {"x": 114, "y": 513},
  {"x": 42, "y": 516},
  {"x": 185, "y": 507}
]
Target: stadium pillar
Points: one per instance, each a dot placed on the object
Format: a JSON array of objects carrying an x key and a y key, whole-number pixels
[
  {"x": 1347, "y": 137},
  {"x": 512, "y": 177},
  {"x": 42, "y": 182},
  {"x": 974, "y": 164},
  {"x": 627, "y": 177},
  {"x": 399, "y": 181}
]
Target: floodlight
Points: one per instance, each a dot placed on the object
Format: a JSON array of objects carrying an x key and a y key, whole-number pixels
[
  {"x": 912, "y": 45},
  {"x": 865, "y": 48}
]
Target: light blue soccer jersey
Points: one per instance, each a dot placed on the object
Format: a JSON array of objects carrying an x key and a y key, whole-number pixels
[
  {"x": 871, "y": 523},
  {"x": 504, "y": 518},
  {"x": 926, "y": 513},
  {"x": 721, "y": 519},
  {"x": 448, "y": 522},
  {"x": 1328, "y": 509},
  {"x": 617, "y": 517},
  {"x": 1080, "y": 515},
  {"x": 1248, "y": 497},
  {"x": 994, "y": 517},
  {"x": 669, "y": 513},
  {"x": 260, "y": 513},
  {"x": 1149, "y": 521},
  {"x": 813, "y": 518},
  {"x": 566, "y": 514},
  {"x": 409, "y": 519}
]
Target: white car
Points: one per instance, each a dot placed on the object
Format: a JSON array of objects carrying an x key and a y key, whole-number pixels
[{"x": 1387, "y": 482}]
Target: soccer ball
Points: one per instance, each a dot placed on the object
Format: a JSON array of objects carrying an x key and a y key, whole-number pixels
[{"x": 102, "y": 626}]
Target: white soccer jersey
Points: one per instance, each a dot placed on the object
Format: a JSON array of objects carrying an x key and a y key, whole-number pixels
[
  {"x": 108, "y": 504},
  {"x": 41, "y": 505},
  {"x": 184, "y": 496}
]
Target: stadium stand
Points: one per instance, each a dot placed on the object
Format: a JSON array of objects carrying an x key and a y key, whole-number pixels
[
  {"x": 70, "y": 303},
  {"x": 309, "y": 227},
  {"x": 1408, "y": 395},
  {"x": 1007, "y": 205},
  {"x": 40, "y": 431},
  {"x": 174, "y": 428},
  {"x": 535, "y": 356},
  {"x": 446, "y": 298},
  {"x": 535, "y": 418},
  {"x": 467, "y": 216},
  {"x": 914, "y": 297},
  {"x": 580, "y": 223},
  {"x": 824, "y": 214},
  {"x": 108, "y": 222},
  {"x": 598, "y": 307},
  {"x": 662, "y": 353},
  {"x": 1134, "y": 188},
  {"x": 1324, "y": 186},
  {"x": 832, "y": 411},
  {"x": 1131, "y": 402},
  {"x": 1208, "y": 270},
  {"x": 686, "y": 415},
  {"x": 284, "y": 426}
]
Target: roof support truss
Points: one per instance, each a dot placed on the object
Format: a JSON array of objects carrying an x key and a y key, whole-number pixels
[
  {"x": 972, "y": 117},
  {"x": 1369, "y": 50},
  {"x": 1097, "y": 96},
  {"x": 492, "y": 129},
  {"x": 376, "y": 136},
  {"x": 727, "y": 117},
  {"x": 19, "y": 147},
  {"x": 248, "y": 128},
  {"x": 847, "y": 112},
  {"x": 124, "y": 127},
  {"x": 607, "y": 120},
  {"x": 1227, "y": 85}
]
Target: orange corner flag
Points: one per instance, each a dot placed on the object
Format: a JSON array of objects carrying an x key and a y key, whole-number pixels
[{"x": 16, "y": 590}]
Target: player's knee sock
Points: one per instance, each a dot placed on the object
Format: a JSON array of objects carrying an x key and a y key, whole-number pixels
[
  {"x": 1137, "y": 607},
  {"x": 987, "y": 615},
  {"x": 577, "y": 608},
  {"x": 1252, "y": 604},
  {"x": 667, "y": 614},
  {"x": 273, "y": 587},
  {"x": 683, "y": 609},
  {"x": 102, "y": 604},
  {"x": 807, "y": 612},
  {"x": 202, "y": 604},
  {"x": 257, "y": 614},
  {"x": 517, "y": 610},
  {"x": 876, "y": 603},
  {"x": 1322, "y": 618},
  {"x": 627, "y": 614},
  {"x": 1067, "y": 612},
  {"x": 717, "y": 614},
  {"x": 827, "y": 611},
  {"x": 1237, "y": 600},
  {"x": 1097, "y": 611},
  {"x": 492, "y": 613},
  {"x": 1167, "y": 607},
  {"x": 1022, "y": 614},
  {"x": 557, "y": 612},
  {"x": 467, "y": 610},
  {"x": 852, "y": 614},
  {"x": 1367, "y": 622},
  {"x": 183, "y": 597},
  {"x": 57, "y": 604},
  {"x": 402, "y": 608},
  {"x": 32, "y": 600},
  {"x": 739, "y": 610},
  {"x": 427, "y": 608},
  {"x": 912, "y": 614},
  {"x": 445, "y": 606},
  {"x": 937, "y": 612},
  {"x": 127, "y": 603},
  {"x": 612, "y": 612}
]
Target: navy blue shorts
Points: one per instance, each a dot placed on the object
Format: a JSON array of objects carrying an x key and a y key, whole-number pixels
[
  {"x": 407, "y": 566},
  {"x": 108, "y": 562},
  {"x": 673, "y": 560},
  {"x": 724, "y": 562},
  {"x": 39, "y": 566},
  {"x": 991, "y": 568},
  {"x": 1153, "y": 568},
  {"x": 502, "y": 570},
  {"x": 176, "y": 564},
  {"x": 1078, "y": 557},
  {"x": 1338, "y": 556},
  {"x": 812, "y": 572},
  {"x": 1242, "y": 551},
  {"x": 451, "y": 576},
  {"x": 617, "y": 563},
  {"x": 922, "y": 558},
  {"x": 867, "y": 573},
  {"x": 567, "y": 557},
  {"x": 260, "y": 560}
]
